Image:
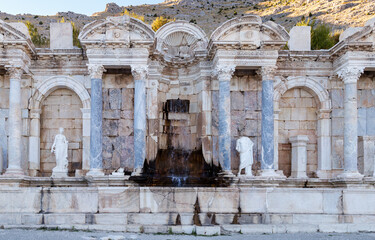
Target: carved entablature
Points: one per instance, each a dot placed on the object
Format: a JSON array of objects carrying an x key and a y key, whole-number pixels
[
  {"x": 120, "y": 31},
  {"x": 180, "y": 42},
  {"x": 15, "y": 41},
  {"x": 248, "y": 33}
]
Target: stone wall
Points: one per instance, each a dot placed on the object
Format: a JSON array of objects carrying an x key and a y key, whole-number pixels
[
  {"x": 118, "y": 115},
  {"x": 62, "y": 108},
  {"x": 297, "y": 117}
]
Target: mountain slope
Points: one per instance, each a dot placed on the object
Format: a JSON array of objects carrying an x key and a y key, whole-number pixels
[{"x": 209, "y": 14}]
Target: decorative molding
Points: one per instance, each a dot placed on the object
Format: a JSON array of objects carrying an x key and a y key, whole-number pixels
[
  {"x": 96, "y": 70},
  {"x": 139, "y": 72},
  {"x": 350, "y": 74},
  {"x": 225, "y": 72}
]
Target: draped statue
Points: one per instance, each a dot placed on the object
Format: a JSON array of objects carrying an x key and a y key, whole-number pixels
[
  {"x": 245, "y": 147},
  {"x": 60, "y": 149}
]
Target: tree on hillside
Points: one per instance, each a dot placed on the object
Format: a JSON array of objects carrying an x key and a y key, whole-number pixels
[
  {"x": 36, "y": 38},
  {"x": 133, "y": 15},
  {"x": 321, "y": 35},
  {"x": 159, "y": 22}
]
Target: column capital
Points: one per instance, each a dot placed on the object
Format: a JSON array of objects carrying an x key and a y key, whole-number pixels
[
  {"x": 35, "y": 113},
  {"x": 139, "y": 72},
  {"x": 15, "y": 72},
  {"x": 225, "y": 72},
  {"x": 324, "y": 113},
  {"x": 96, "y": 70},
  {"x": 350, "y": 74},
  {"x": 267, "y": 72}
]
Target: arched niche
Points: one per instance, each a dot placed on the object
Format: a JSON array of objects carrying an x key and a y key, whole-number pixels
[
  {"x": 314, "y": 87},
  {"x": 42, "y": 91}
]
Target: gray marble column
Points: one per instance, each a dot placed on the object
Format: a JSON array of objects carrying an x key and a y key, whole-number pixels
[
  {"x": 15, "y": 123},
  {"x": 96, "y": 132},
  {"x": 224, "y": 75},
  {"x": 267, "y": 130},
  {"x": 350, "y": 76},
  {"x": 140, "y": 77}
]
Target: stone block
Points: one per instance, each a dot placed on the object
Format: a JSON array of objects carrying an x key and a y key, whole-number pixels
[
  {"x": 349, "y": 32},
  {"x": 252, "y": 200},
  {"x": 127, "y": 99},
  {"x": 300, "y": 38},
  {"x": 114, "y": 98},
  {"x": 183, "y": 229},
  {"x": 218, "y": 200},
  {"x": 301, "y": 228},
  {"x": 70, "y": 200},
  {"x": 152, "y": 218},
  {"x": 337, "y": 97},
  {"x": 110, "y": 128},
  {"x": 250, "y": 100},
  {"x": 337, "y": 126},
  {"x": 125, "y": 127},
  {"x": 118, "y": 200},
  {"x": 59, "y": 219},
  {"x": 358, "y": 202},
  {"x": 208, "y": 230},
  {"x": 61, "y": 36},
  {"x": 370, "y": 122},
  {"x": 237, "y": 101},
  {"x": 296, "y": 201},
  {"x": 20, "y": 200}
]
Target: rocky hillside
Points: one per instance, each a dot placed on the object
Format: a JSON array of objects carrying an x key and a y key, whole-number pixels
[{"x": 209, "y": 14}]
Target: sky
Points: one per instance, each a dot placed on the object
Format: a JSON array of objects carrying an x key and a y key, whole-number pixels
[{"x": 51, "y": 7}]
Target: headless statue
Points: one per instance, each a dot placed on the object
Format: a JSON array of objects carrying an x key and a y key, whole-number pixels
[
  {"x": 60, "y": 149},
  {"x": 245, "y": 147}
]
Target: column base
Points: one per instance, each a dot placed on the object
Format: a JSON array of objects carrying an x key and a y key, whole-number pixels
[
  {"x": 324, "y": 174},
  {"x": 14, "y": 172},
  {"x": 226, "y": 173},
  {"x": 95, "y": 172},
  {"x": 299, "y": 175},
  {"x": 271, "y": 173},
  {"x": 137, "y": 172},
  {"x": 349, "y": 175}
]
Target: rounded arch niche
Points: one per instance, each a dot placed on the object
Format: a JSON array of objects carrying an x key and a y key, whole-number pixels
[
  {"x": 317, "y": 119},
  {"x": 71, "y": 91}
]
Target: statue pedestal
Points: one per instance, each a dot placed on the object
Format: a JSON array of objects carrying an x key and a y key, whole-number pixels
[{"x": 59, "y": 173}]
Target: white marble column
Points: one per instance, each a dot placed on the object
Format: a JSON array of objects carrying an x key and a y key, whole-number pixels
[
  {"x": 224, "y": 74},
  {"x": 350, "y": 76},
  {"x": 96, "y": 132},
  {"x": 324, "y": 144},
  {"x": 15, "y": 122},
  {"x": 268, "y": 143},
  {"x": 86, "y": 112},
  {"x": 299, "y": 156},
  {"x": 140, "y": 77},
  {"x": 34, "y": 142}
]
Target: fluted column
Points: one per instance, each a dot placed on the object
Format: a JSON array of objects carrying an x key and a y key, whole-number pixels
[
  {"x": 267, "y": 131},
  {"x": 140, "y": 77},
  {"x": 224, "y": 74},
  {"x": 350, "y": 76},
  {"x": 15, "y": 122},
  {"x": 96, "y": 132}
]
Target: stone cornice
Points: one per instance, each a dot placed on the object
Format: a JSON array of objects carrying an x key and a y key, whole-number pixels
[{"x": 96, "y": 71}]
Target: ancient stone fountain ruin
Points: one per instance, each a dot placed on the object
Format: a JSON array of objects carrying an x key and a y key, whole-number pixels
[{"x": 152, "y": 119}]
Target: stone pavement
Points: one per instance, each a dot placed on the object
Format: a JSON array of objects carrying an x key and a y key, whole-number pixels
[{"x": 21, "y": 234}]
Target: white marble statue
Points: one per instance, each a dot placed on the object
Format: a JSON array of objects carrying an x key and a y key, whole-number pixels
[
  {"x": 245, "y": 147},
  {"x": 60, "y": 149}
]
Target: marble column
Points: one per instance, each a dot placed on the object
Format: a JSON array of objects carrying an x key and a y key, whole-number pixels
[
  {"x": 96, "y": 132},
  {"x": 15, "y": 123},
  {"x": 34, "y": 142},
  {"x": 267, "y": 131},
  {"x": 299, "y": 156},
  {"x": 224, "y": 74},
  {"x": 350, "y": 76},
  {"x": 140, "y": 77}
]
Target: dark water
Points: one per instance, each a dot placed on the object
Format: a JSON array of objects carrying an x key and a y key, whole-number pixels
[{"x": 178, "y": 165}]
